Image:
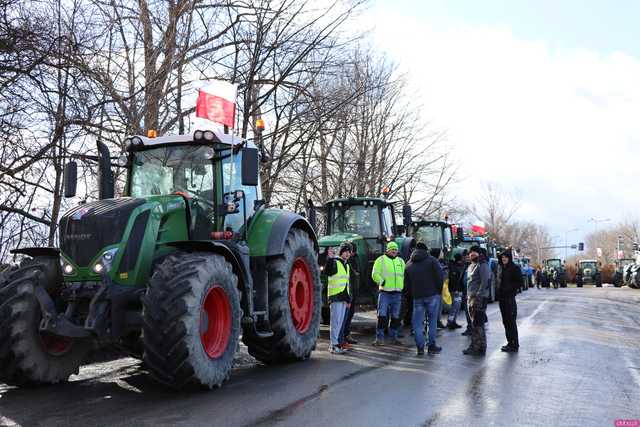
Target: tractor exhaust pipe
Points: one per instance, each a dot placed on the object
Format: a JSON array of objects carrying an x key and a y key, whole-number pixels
[{"x": 105, "y": 176}]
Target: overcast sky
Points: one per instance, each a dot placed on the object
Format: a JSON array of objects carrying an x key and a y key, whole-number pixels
[{"x": 541, "y": 96}]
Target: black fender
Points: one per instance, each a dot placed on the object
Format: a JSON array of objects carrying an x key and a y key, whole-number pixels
[
  {"x": 37, "y": 252},
  {"x": 280, "y": 229}
]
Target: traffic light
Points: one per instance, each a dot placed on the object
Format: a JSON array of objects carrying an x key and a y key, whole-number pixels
[{"x": 581, "y": 246}]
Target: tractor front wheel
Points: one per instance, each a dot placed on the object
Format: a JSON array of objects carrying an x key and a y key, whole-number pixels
[
  {"x": 294, "y": 303},
  {"x": 191, "y": 321},
  {"x": 28, "y": 356}
]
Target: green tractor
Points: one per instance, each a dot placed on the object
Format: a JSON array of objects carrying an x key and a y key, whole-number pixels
[
  {"x": 368, "y": 224},
  {"x": 555, "y": 273},
  {"x": 588, "y": 271},
  {"x": 174, "y": 273}
]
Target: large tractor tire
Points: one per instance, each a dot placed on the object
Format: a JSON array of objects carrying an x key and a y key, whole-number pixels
[
  {"x": 294, "y": 303},
  {"x": 191, "y": 321},
  {"x": 27, "y": 356}
]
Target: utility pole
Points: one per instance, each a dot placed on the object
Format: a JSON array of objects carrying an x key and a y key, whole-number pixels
[{"x": 565, "y": 240}]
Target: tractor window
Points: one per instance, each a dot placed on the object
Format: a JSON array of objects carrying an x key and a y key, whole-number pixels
[
  {"x": 431, "y": 235},
  {"x": 358, "y": 219},
  {"x": 231, "y": 179},
  {"x": 387, "y": 221},
  {"x": 165, "y": 170}
]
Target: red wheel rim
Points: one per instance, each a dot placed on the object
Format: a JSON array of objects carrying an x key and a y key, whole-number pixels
[
  {"x": 301, "y": 295},
  {"x": 215, "y": 322},
  {"x": 56, "y": 345}
]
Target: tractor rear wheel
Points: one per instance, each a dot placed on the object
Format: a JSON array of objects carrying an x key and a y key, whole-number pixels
[
  {"x": 27, "y": 356},
  {"x": 191, "y": 321},
  {"x": 294, "y": 303}
]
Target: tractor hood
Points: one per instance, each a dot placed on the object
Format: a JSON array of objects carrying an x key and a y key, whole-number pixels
[
  {"x": 337, "y": 238},
  {"x": 87, "y": 228},
  {"x": 127, "y": 228}
]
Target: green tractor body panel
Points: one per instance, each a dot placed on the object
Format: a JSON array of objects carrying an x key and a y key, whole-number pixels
[{"x": 268, "y": 229}]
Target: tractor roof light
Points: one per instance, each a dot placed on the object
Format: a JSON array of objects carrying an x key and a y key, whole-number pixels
[
  {"x": 152, "y": 133},
  {"x": 209, "y": 136},
  {"x": 260, "y": 124},
  {"x": 198, "y": 135}
]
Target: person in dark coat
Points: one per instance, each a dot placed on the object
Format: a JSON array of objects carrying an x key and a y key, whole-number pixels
[
  {"x": 423, "y": 278},
  {"x": 508, "y": 283},
  {"x": 456, "y": 276}
]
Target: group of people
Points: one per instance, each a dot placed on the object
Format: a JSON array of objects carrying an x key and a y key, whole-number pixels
[{"x": 420, "y": 281}]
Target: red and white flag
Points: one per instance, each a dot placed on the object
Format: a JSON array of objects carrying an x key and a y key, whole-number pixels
[
  {"x": 217, "y": 102},
  {"x": 478, "y": 228}
]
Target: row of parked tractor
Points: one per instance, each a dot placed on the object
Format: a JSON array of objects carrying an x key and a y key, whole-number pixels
[
  {"x": 625, "y": 272},
  {"x": 188, "y": 263},
  {"x": 369, "y": 223}
]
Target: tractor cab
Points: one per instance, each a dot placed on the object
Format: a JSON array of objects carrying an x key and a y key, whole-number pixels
[{"x": 437, "y": 234}]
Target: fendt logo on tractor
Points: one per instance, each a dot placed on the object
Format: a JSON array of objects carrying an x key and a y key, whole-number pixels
[{"x": 174, "y": 272}]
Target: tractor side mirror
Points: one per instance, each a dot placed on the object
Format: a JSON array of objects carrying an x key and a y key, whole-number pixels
[
  {"x": 312, "y": 215},
  {"x": 105, "y": 177},
  {"x": 406, "y": 215},
  {"x": 250, "y": 167},
  {"x": 460, "y": 234},
  {"x": 70, "y": 175}
]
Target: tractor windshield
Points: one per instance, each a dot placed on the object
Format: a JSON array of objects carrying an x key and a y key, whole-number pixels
[
  {"x": 186, "y": 169},
  {"x": 358, "y": 219},
  {"x": 591, "y": 265},
  {"x": 554, "y": 263},
  {"x": 431, "y": 235}
]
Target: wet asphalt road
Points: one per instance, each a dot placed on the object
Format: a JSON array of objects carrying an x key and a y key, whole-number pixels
[{"x": 579, "y": 364}]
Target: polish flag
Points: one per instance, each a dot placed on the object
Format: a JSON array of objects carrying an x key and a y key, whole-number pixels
[
  {"x": 478, "y": 228},
  {"x": 217, "y": 102}
]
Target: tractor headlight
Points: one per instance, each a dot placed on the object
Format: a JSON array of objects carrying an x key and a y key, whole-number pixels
[
  {"x": 67, "y": 268},
  {"x": 105, "y": 262}
]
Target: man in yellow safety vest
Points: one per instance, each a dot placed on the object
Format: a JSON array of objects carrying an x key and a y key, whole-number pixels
[
  {"x": 338, "y": 273},
  {"x": 388, "y": 274}
]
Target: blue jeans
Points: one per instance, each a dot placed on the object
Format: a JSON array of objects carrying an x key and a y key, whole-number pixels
[
  {"x": 389, "y": 302},
  {"x": 430, "y": 306},
  {"x": 455, "y": 307},
  {"x": 338, "y": 311}
]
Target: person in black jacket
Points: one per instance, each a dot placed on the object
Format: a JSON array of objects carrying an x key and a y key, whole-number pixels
[
  {"x": 508, "y": 283},
  {"x": 423, "y": 279},
  {"x": 456, "y": 276}
]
